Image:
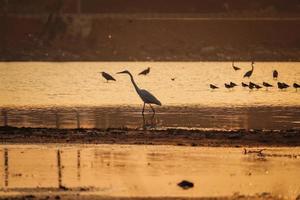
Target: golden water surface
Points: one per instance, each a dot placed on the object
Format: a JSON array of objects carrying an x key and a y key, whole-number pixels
[
  {"x": 122, "y": 170},
  {"x": 80, "y": 84}
]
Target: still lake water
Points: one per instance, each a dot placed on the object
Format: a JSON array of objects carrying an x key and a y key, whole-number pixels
[
  {"x": 148, "y": 171},
  {"x": 55, "y": 94}
]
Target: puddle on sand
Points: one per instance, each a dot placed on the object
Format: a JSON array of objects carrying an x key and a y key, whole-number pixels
[{"x": 129, "y": 170}]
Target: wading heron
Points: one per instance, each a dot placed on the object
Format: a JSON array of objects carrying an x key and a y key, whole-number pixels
[
  {"x": 249, "y": 73},
  {"x": 146, "y": 96}
]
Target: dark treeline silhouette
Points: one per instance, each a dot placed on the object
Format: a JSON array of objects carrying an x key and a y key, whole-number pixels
[
  {"x": 155, "y": 6},
  {"x": 45, "y": 30}
]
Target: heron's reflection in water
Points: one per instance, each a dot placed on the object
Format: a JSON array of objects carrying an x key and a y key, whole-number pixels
[{"x": 149, "y": 121}]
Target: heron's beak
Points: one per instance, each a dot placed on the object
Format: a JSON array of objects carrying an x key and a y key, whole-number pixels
[{"x": 122, "y": 72}]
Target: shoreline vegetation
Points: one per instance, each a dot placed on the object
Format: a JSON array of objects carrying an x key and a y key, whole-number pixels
[{"x": 179, "y": 137}]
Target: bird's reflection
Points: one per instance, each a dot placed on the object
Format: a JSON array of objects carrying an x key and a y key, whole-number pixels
[{"x": 149, "y": 122}]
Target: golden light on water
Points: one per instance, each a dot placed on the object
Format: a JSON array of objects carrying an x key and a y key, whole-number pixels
[
  {"x": 80, "y": 84},
  {"x": 130, "y": 170}
]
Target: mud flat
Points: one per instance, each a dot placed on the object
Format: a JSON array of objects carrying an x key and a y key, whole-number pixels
[
  {"x": 92, "y": 197},
  {"x": 182, "y": 137}
]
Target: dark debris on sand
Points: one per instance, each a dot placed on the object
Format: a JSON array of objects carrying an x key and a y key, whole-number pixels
[{"x": 183, "y": 137}]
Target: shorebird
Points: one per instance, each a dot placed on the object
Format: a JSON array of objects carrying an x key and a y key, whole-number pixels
[
  {"x": 244, "y": 85},
  {"x": 251, "y": 85},
  {"x": 295, "y": 85},
  {"x": 235, "y": 67},
  {"x": 275, "y": 74},
  {"x": 107, "y": 76},
  {"x": 267, "y": 85},
  {"x": 282, "y": 85},
  {"x": 213, "y": 86},
  {"x": 249, "y": 73},
  {"x": 257, "y": 86},
  {"x": 146, "y": 96},
  {"x": 145, "y": 72},
  {"x": 228, "y": 86},
  {"x": 232, "y": 84}
]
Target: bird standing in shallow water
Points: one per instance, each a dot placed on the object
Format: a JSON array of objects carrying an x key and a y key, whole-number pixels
[
  {"x": 146, "y": 96},
  {"x": 282, "y": 85},
  {"x": 267, "y": 85},
  {"x": 296, "y": 86},
  {"x": 232, "y": 84},
  {"x": 228, "y": 86},
  {"x": 107, "y": 76},
  {"x": 244, "y": 85},
  {"x": 213, "y": 86},
  {"x": 145, "y": 72},
  {"x": 249, "y": 73},
  {"x": 235, "y": 67},
  {"x": 275, "y": 74}
]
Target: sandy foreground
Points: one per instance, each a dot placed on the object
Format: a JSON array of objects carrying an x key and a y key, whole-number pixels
[{"x": 182, "y": 137}]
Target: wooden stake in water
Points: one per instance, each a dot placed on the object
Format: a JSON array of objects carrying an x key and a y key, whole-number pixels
[
  {"x": 5, "y": 119},
  {"x": 78, "y": 119},
  {"x": 56, "y": 120}
]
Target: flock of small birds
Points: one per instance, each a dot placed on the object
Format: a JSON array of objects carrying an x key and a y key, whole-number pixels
[
  {"x": 248, "y": 74},
  {"x": 251, "y": 85}
]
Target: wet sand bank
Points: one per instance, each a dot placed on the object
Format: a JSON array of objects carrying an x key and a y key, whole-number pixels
[
  {"x": 58, "y": 196},
  {"x": 181, "y": 137}
]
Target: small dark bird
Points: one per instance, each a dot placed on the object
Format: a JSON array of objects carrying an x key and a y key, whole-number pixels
[
  {"x": 244, "y": 84},
  {"x": 282, "y": 85},
  {"x": 228, "y": 86},
  {"x": 285, "y": 85},
  {"x": 232, "y": 84},
  {"x": 173, "y": 79},
  {"x": 257, "y": 86},
  {"x": 267, "y": 85},
  {"x": 295, "y": 85},
  {"x": 107, "y": 76},
  {"x": 213, "y": 86},
  {"x": 251, "y": 85},
  {"x": 235, "y": 67},
  {"x": 249, "y": 73},
  {"x": 275, "y": 74},
  {"x": 145, "y": 72}
]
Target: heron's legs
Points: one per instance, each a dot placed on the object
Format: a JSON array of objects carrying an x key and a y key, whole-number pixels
[
  {"x": 143, "y": 109},
  {"x": 152, "y": 109}
]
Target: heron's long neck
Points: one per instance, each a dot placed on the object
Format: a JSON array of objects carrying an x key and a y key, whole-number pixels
[
  {"x": 134, "y": 84},
  {"x": 252, "y": 67}
]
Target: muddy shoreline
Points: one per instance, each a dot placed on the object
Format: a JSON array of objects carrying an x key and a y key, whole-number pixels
[
  {"x": 94, "y": 197},
  {"x": 182, "y": 137}
]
